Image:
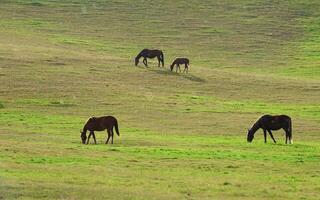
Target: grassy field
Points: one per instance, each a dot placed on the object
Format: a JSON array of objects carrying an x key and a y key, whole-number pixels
[{"x": 183, "y": 136}]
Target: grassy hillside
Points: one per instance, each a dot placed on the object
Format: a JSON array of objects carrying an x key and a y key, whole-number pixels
[{"x": 182, "y": 135}]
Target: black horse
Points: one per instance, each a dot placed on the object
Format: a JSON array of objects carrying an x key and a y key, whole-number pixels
[
  {"x": 268, "y": 123},
  {"x": 178, "y": 62},
  {"x": 99, "y": 124},
  {"x": 147, "y": 53}
]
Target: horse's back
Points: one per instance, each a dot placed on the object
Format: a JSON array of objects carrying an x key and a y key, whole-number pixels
[
  {"x": 155, "y": 51},
  {"x": 108, "y": 119},
  {"x": 181, "y": 60},
  {"x": 101, "y": 123},
  {"x": 274, "y": 122},
  {"x": 150, "y": 53},
  {"x": 275, "y": 117},
  {"x": 286, "y": 117},
  {"x": 151, "y": 50}
]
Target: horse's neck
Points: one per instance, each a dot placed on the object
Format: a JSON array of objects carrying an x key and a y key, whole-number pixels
[
  {"x": 255, "y": 127},
  {"x": 141, "y": 54},
  {"x": 138, "y": 56},
  {"x": 84, "y": 130}
]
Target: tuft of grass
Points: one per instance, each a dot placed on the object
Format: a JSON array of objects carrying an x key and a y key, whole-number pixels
[
  {"x": 216, "y": 105},
  {"x": 61, "y": 103},
  {"x": 45, "y": 102},
  {"x": 36, "y": 3}
]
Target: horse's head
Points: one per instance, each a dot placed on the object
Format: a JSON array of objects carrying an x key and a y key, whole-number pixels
[
  {"x": 83, "y": 137},
  {"x": 250, "y": 135},
  {"x": 136, "y": 61}
]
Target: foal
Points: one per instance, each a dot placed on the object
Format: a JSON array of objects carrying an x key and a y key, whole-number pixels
[
  {"x": 178, "y": 62},
  {"x": 99, "y": 124}
]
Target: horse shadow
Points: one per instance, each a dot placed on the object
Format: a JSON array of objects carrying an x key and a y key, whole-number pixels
[{"x": 183, "y": 75}]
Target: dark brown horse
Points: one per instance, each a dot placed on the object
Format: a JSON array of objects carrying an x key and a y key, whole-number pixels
[
  {"x": 268, "y": 123},
  {"x": 147, "y": 53},
  {"x": 99, "y": 124},
  {"x": 178, "y": 62}
]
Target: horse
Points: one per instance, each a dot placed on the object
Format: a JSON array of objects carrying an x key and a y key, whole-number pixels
[
  {"x": 147, "y": 53},
  {"x": 178, "y": 62},
  {"x": 268, "y": 123},
  {"x": 99, "y": 124}
]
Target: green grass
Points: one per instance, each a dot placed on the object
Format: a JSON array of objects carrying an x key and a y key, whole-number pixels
[{"x": 183, "y": 136}]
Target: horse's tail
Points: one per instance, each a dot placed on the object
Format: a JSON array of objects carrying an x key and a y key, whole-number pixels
[
  {"x": 116, "y": 127},
  {"x": 290, "y": 131},
  {"x": 162, "y": 58}
]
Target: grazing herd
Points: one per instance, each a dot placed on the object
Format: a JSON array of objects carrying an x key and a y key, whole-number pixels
[
  {"x": 267, "y": 122},
  {"x": 152, "y": 53}
]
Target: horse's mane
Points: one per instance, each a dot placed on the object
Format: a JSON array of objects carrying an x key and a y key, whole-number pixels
[
  {"x": 90, "y": 119},
  {"x": 256, "y": 125}
]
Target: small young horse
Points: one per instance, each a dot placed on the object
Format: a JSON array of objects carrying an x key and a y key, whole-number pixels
[
  {"x": 178, "y": 62},
  {"x": 268, "y": 123},
  {"x": 99, "y": 124},
  {"x": 147, "y": 53}
]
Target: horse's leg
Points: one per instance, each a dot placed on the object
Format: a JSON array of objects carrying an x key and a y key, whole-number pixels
[
  {"x": 108, "y": 136},
  {"x": 145, "y": 62},
  {"x": 158, "y": 61},
  {"x": 290, "y": 136},
  {"x": 89, "y": 137},
  {"x": 94, "y": 137},
  {"x": 287, "y": 135},
  {"x": 185, "y": 68},
  {"x": 289, "y": 130},
  {"x": 179, "y": 69},
  {"x": 162, "y": 60},
  {"x": 270, "y": 133},
  {"x": 112, "y": 136},
  {"x": 265, "y": 135}
]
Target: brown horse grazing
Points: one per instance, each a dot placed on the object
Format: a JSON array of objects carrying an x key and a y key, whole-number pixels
[
  {"x": 268, "y": 123},
  {"x": 178, "y": 62},
  {"x": 147, "y": 53},
  {"x": 99, "y": 124}
]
